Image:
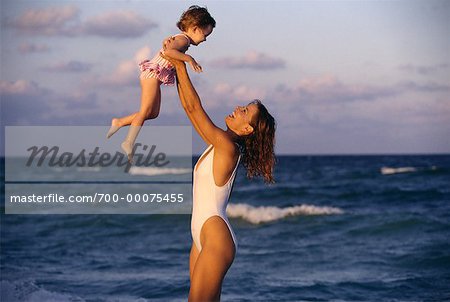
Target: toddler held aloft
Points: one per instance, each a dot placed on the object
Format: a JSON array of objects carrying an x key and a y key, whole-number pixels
[{"x": 195, "y": 24}]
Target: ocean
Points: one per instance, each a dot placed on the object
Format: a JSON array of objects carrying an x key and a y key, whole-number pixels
[{"x": 332, "y": 228}]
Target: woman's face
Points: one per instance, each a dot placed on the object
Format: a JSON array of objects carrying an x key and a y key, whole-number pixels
[{"x": 241, "y": 119}]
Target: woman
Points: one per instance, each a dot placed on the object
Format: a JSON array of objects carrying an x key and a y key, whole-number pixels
[{"x": 250, "y": 135}]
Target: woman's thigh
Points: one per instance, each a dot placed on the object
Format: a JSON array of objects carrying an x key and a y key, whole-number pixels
[
  {"x": 192, "y": 259},
  {"x": 213, "y": 261}
]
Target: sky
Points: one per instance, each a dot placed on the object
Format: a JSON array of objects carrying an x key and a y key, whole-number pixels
[{"x": 340, "y": 77}]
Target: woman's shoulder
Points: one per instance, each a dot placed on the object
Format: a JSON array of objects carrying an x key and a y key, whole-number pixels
[{"x": 227, "y": 147}]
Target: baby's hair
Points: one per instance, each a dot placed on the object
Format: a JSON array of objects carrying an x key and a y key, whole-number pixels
[{"x": 195, "y": 16}]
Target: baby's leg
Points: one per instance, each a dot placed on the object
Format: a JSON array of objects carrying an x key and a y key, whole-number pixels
[
  {"x": 126, "y": 120},
  {"x": 117, "y": 123},
  {"x": 150, "y": 101},
  {"x": 123, "y": 121}
]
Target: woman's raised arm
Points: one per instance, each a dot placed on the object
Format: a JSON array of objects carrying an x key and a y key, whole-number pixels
[
  {"x": 193, "y": 107},
  {"x": 194, "y": 123}
]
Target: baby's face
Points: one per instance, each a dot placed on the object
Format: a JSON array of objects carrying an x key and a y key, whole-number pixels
[{"x": 199, "y": 35}]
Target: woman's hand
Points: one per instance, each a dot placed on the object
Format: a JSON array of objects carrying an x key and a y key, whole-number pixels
[
  {"x": 176, "y": 63},
  {"x": 167, "y": 41},
  {"x": 166, "y": 45}
]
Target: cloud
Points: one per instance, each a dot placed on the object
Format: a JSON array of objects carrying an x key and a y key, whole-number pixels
[
  {"x": 70, "y": 66},
  {"x": 20, "y": 88},
  {"x": 329, "y": 89},
  {"x": 27, "y": 103},
  {"x": 120, "y": 24},
  {"x": 26, "y": 48},
  {"x": 428, "y": 87},
  {"x": 322, "y": 101},
  {"x": 252, "y": 60},
  {"x": 23, "y": 102},
  {"x": 49, "y": 21},
  {"x": 65, "y": 21},
  {"x": 126, "y": 73},
  {"x": 326, "y": 113},
  {"x": 316, "y": 113},
  {"x": 142, "y": 54},
  {"x": 424, "y": 69},
  {"x": 236, "y": 94}
]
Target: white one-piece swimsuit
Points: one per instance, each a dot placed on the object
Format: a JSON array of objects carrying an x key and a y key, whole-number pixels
[{"x": 208, "y": 198}]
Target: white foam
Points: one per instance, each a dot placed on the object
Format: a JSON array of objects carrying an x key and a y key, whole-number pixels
[
  {"x": 266, "y": 214},
  {"x": 28, "y": 291},
  {"x": 79, "y": 169},
  {"x": 151, "y": 171},
  {"x": 88, "y": 169},
  {"x": 389, "y": 170}
]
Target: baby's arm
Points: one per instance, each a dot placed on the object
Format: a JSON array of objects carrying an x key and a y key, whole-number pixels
[{"x": 176, "y": 47}]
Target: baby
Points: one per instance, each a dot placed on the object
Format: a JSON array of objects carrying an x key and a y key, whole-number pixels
[{"x": 195, "y": 24}]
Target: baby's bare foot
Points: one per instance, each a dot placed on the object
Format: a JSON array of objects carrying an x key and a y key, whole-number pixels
[
  {"x": 115, "y": 122},
  {"x": 115, "y": 126}
]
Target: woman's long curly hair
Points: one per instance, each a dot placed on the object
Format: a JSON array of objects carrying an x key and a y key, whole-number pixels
[{"x": 258, "y": 147}]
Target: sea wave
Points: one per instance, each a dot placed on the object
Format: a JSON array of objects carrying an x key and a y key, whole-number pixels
[
  {"x": 78, "y": 169},
  {"x": 262, "y": 214},
  {"x": 88, "y": 169},
  {"x": 26, "y": 290},
  {"x": 390, "y": 170},
  {"x": 151, "y": 171}
]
